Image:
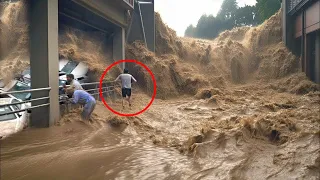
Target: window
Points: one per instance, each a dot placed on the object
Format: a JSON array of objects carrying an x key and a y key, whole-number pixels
[
  {"x": 69, "y": 67},
  {"x": 62, "y": 82},
  {"x": 6, "y": 109},
  {"x": 25, "y": 72},
  {"x": 17, "y": 106},
  {"x": 20, "y": 87}
]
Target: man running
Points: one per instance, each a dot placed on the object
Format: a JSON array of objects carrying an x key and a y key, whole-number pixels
[
  {"x": 126, "y": 85},
  {"x": 83, "y": 98}
]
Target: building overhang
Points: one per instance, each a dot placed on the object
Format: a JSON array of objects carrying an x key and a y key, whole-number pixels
[
  {"x": 112, "y": 11},
  {"x": 295, "y": 6}
]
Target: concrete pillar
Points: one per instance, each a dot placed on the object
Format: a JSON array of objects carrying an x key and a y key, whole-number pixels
[
  {"x": 119, "y": 46},
  {"x": 317, "y": 60},
  {"x": 44, "y": 60},
  {"x": 303, "y": 44},
  {"x": 284, "y": 18}
]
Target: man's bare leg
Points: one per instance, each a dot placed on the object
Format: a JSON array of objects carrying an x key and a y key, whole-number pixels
[
  {"x": 129, "y": 100},
  {"x": 123, "y": 103}
]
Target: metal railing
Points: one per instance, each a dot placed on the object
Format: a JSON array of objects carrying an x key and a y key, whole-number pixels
[
  {"x": 105, "y": 89},
  {"x": 26, "y": 91},
  {"x": 24, "y": 102}
]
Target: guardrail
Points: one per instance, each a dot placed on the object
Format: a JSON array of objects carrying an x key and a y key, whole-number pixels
[
  {"x": 25, "y": 91},
  {"x": 105, "y": 89},
  {"x": 24, "y": 102}
]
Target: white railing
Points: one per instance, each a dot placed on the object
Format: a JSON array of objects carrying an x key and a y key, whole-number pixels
[
  {"x": 94, "y": 92},
  {"x": 27, "y": 101}
]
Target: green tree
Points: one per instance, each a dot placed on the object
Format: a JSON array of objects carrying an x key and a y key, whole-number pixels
[
  {"x": 190, "y": 31},
  {"x": 267, "y": 8},
  {"x": 227, "y": 14},
  {"x": 230, "y": 16},
  {"x": 228, "y": 9},
  {"x": 246, "y": 16}
]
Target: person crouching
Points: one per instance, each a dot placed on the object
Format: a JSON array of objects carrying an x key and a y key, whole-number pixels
[{"x": 83, "y": 98}]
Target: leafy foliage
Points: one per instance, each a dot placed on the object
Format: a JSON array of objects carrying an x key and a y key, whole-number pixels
[{"x": 230, "y": 16}]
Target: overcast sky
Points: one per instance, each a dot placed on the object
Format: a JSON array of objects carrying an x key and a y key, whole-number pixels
[{"x": 179, "y": 14}]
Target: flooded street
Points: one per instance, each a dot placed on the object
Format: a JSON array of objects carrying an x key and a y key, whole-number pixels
[
  {"x": 78, "y": 151},
  {"x": 230, "y": 137},
  {"x": 236, "y": 107}
]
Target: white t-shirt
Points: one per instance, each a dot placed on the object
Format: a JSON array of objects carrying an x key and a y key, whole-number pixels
[
  {"x": 75, "y": 85},
  {"x": 126, "y": 80}
]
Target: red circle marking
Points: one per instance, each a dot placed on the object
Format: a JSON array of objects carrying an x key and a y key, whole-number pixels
[{"x": 154, "y": 87}]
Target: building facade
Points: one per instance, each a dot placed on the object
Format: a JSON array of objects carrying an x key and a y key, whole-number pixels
[{"x": 301, "y": 33}]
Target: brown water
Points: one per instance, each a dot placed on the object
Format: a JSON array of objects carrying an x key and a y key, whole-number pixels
[
  {"x": 98, "y": 150},
  {"x": 209, "y": 127},
  {"x": 235, "y": 134},
  {"x": 77, "y": 151}
]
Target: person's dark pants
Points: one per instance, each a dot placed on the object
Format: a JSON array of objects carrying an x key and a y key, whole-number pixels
[{"x": 126, "y": 92}]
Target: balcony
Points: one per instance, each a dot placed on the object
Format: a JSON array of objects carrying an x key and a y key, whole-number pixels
[{"x": 295, "y": 5}]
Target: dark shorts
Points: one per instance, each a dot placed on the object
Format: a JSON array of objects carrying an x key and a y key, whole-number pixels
[{"x": 126, "y": 92}]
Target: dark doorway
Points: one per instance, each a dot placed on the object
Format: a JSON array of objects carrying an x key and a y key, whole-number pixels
[
  {"x": 297, "y": 48},
  {"x": 311, "y": 55}
]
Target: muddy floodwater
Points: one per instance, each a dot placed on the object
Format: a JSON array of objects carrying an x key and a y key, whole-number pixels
[
  {"x": 235, "y": 134},
  {"x": 76, "y": 151},
  {"x": 234, "y": 108}
]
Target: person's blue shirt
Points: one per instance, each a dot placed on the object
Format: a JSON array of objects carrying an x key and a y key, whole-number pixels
[{"x": 81, "y": 97}]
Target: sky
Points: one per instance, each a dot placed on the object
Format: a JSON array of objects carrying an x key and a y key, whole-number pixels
[{"x": 179, "y": 14}]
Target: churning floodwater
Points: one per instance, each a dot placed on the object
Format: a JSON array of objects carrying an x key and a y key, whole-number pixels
[
  {"x": 79, "y": 151},
  {"x": 244, "y": 137},
  {"x": 232, "y": 108}
]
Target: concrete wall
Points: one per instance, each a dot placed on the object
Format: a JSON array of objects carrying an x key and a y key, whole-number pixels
[
  {"x": 297, "y": 26},
  {"x": 107, "y": 9},
  {"x": 287, "y": 26},
  {"x": 44, "y": 60}
]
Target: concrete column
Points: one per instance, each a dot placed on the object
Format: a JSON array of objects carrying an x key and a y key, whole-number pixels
[
  {"x": 303, "y": 44},
  {"x": 317, "y": 60},
  {"x": 44, "y": 60},
  {"x": 284, "y": 18},
  {"x": 119, "y": 46}
]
